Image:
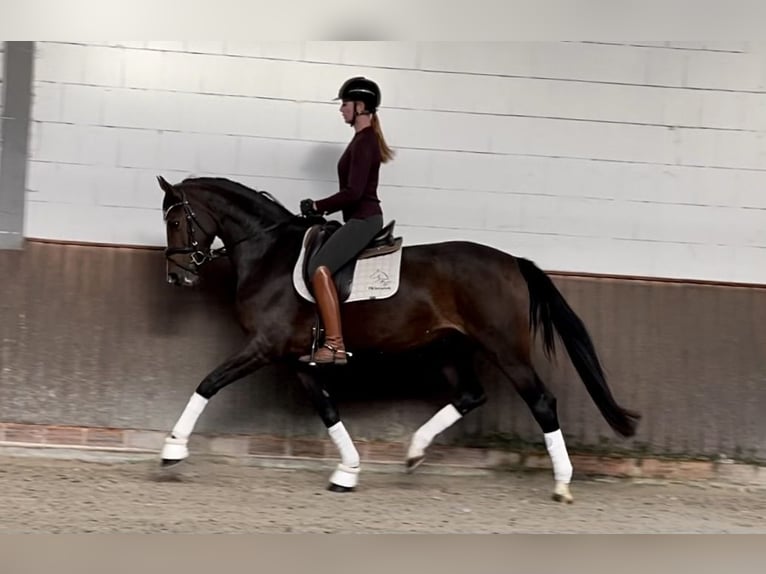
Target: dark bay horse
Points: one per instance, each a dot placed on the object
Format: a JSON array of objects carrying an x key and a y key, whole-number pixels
[{"x": 476, "y": 298}]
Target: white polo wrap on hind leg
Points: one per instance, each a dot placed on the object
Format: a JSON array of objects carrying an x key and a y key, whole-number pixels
[
  {"x": 562, "y": 466},
  {"x": 438, "y": 423}
]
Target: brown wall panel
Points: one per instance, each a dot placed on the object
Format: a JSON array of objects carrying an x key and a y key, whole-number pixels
[{"x": 93, "y": 336}]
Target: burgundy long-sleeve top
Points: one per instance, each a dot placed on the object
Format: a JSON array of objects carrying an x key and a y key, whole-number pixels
[{"x": 358, "y": 170}]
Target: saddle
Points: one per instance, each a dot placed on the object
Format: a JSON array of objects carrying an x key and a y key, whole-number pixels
[{"x": 382, "y": 244}]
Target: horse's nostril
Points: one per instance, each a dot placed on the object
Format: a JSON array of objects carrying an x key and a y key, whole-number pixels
[{"x": 173, "y": 278}]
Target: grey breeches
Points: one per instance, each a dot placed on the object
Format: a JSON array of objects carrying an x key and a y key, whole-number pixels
[{"x": 346, "y": 243}]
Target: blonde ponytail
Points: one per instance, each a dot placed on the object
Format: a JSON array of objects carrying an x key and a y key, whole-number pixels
[{"x": 386, "y": 153}]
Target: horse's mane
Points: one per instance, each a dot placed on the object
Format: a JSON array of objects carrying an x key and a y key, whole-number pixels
[{"x": 236, "y": 189}]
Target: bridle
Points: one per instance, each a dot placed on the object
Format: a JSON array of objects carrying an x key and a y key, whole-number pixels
[{"x": 197, "y": 255}]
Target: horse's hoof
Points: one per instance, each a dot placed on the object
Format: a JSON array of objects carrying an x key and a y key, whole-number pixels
[
  {"x": 338, "y": 488},
  {"x": 561, "y": 494},
  {"x": 174, "y": 450},
  {"x": 167, "y": 462},
  {"x": 344, "y": 479},
  {"x": 413, "y": 463}
]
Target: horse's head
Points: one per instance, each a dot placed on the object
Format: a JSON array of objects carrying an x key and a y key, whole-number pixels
[{"x": 190, "y": 233}]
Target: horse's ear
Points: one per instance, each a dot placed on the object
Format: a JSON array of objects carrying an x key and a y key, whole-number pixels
[{"x": 166, "y": 187}]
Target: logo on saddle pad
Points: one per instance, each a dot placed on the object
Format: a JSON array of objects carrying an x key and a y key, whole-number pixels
[
  {"x": 379, "y": 280},
  {"x": 373, "y": 274}
]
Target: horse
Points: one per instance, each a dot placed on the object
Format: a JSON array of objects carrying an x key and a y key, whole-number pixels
[{"x": 473, "y": 298}]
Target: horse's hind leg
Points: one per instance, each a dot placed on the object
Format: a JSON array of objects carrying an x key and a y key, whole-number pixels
[
  {"x": 469, "y": 395},
  {"x": 542, "y": 404},
  {"x": 346, "y": 475}
]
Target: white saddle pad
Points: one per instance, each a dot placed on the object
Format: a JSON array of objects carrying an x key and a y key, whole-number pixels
[{"x": 374, "y": 277}]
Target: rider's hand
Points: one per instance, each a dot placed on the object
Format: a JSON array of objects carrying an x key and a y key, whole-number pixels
[{"x": 308, "y": 208}]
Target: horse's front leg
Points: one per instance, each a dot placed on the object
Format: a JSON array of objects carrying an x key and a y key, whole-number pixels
[
  {"x": 346, "y": 474},
  {"x": 245, "y": 362}
]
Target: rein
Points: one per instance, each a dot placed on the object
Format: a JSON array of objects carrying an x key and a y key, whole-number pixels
[{"x": 199, "y": 256}]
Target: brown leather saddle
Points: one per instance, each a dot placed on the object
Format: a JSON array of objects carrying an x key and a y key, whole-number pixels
[{"x": 383, "y": 243}]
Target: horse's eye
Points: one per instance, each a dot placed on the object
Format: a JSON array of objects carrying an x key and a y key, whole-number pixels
[{"x": 175, "y": 224}]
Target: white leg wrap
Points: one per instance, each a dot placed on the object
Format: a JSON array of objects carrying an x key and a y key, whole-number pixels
[
  {"x": 175, "y": 449},
  {"x": 562, "y": 467},
  {"x": 176, "y": 445},
  {"x": 188, "y": 419},
  {"x": 345, "y": 476},
  {"x": 348, "y": 454},
  {"x": 423, "y": 437}
]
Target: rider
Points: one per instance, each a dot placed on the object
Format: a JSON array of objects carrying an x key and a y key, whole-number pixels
[{"x": 357, "y": 199}]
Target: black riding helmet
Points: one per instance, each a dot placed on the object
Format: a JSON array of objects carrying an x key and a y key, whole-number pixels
[{"x": 360, "y": 89}]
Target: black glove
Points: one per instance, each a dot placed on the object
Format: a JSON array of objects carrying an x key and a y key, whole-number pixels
[{"x": 307, "y": 208}]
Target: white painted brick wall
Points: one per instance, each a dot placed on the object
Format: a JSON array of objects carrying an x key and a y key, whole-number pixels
[{"x": 637, "y": 158}]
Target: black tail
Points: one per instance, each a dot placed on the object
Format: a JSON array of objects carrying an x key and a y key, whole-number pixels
[{"x": 549, "y": 309}]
